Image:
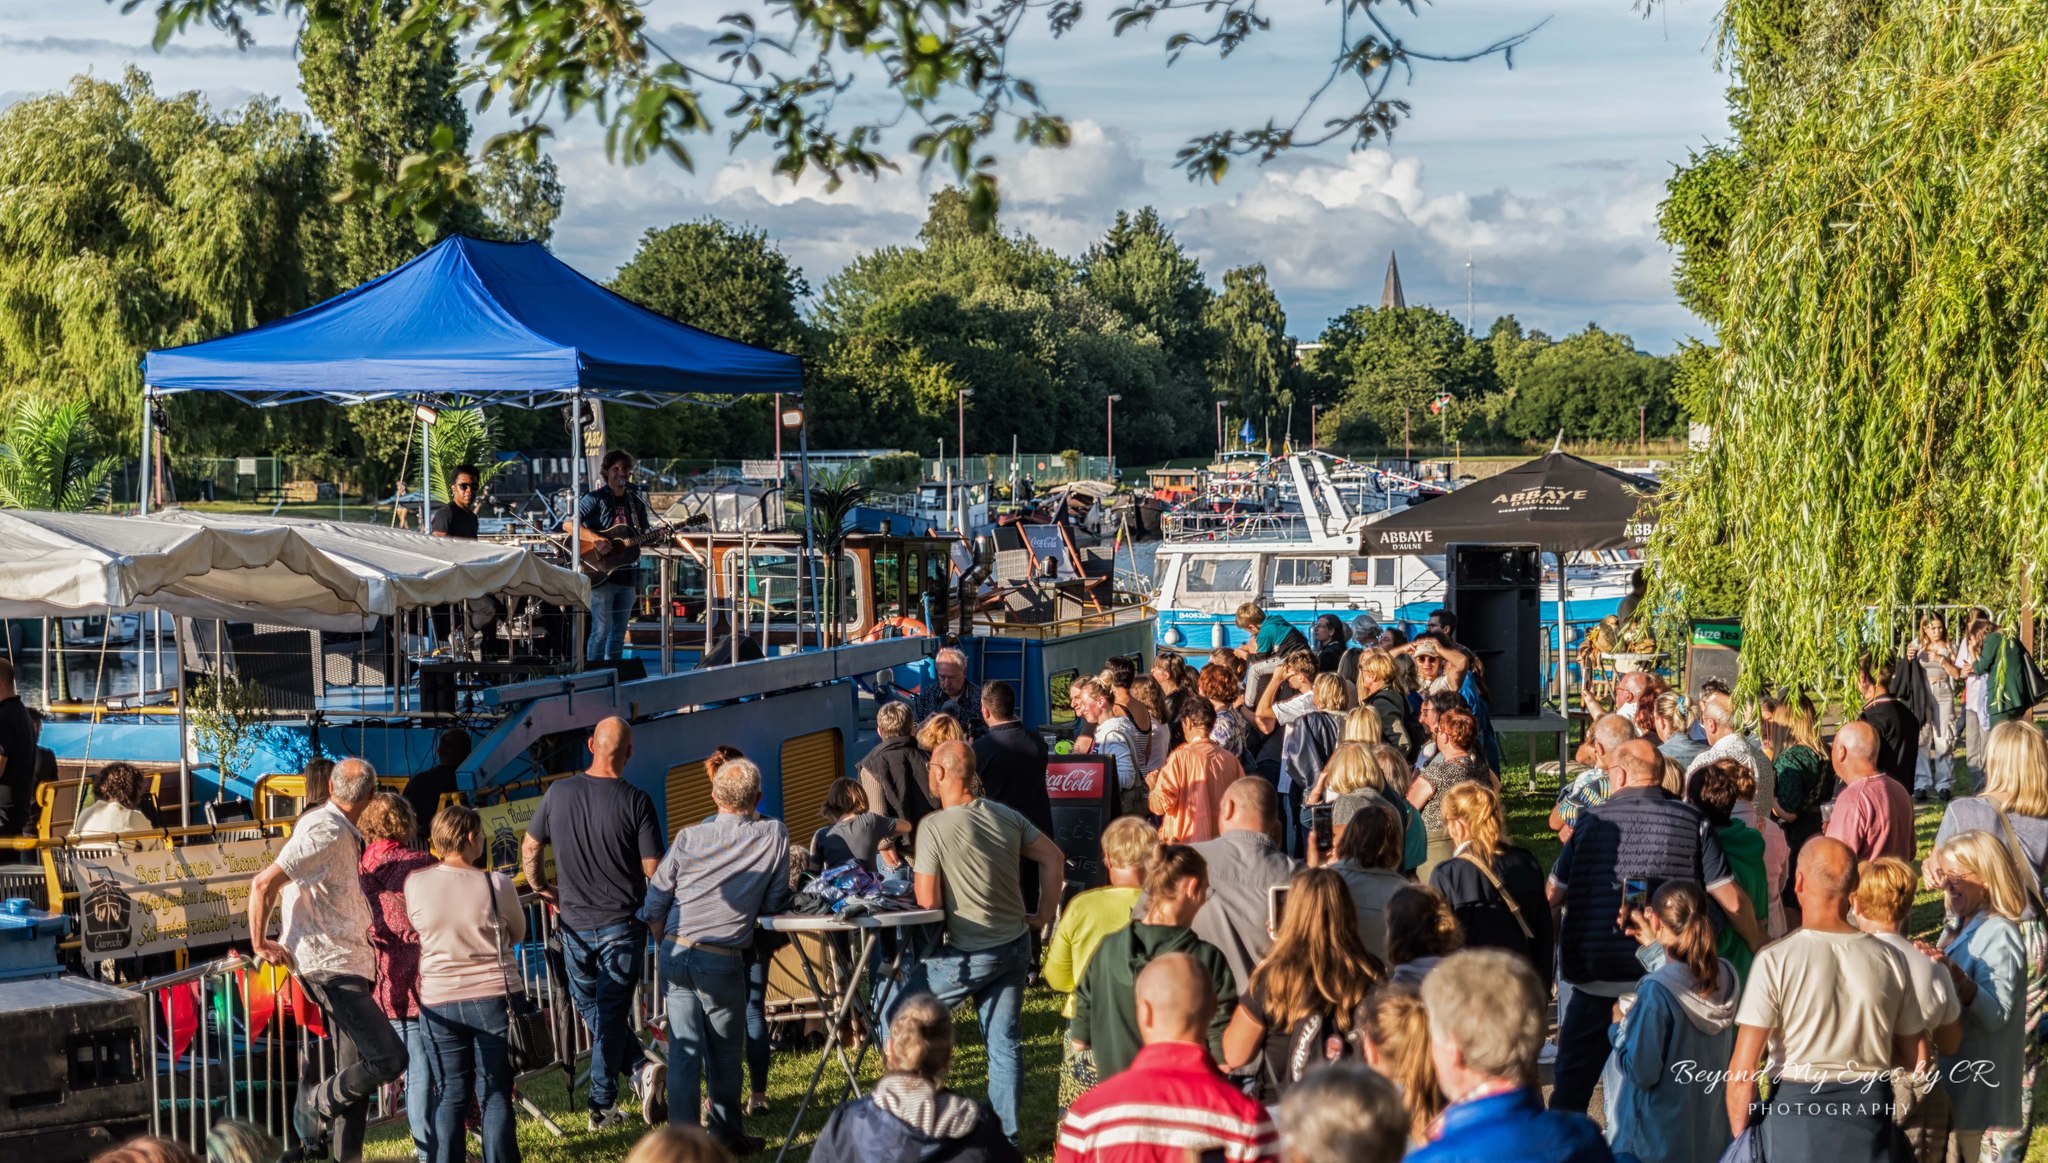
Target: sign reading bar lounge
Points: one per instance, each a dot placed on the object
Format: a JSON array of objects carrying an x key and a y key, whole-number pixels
[{"x": 154, "y": 899}]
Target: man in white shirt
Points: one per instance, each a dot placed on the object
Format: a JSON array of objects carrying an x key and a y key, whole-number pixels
[
  {"x": 1836, "y": 1007},
  {"x": 1726, "y": 741},
  {"x": 325, "y": 942}
]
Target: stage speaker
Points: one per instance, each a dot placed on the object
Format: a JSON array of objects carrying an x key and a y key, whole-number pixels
[
  {"x": 1495, "y": 591},
  {"x": 1713, "y": 650}
]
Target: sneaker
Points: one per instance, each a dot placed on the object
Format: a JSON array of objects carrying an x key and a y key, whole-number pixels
[
  {"x": 609, "y": 1117},
  {"x": 650, "y": 1083},
  {"x": 1548, "y": 1054},
  {"x": 1920, "y": 795},
  {"x": 1944, "y": 795},
  {"x": 311, "y": 1129}
]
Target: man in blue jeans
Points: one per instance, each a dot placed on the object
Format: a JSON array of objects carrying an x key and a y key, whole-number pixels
[
  {"x": 967, "y": 854},
  {"x": 703, "y": 903},
  {"x": 606, "y": 842},
  {"x": 611, "y": 516}
]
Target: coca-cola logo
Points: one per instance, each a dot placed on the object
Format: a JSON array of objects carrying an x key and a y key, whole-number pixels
[{"x": 1073, "y": 781}]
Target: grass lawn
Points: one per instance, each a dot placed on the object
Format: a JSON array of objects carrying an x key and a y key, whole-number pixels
[{"x": 1528, "y": 814}]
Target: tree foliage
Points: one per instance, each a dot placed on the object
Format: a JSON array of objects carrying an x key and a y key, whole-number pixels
[
  {"x": 53, "y": 460},
  {"x": 1591, "y": 385},
  {"x": 789, "y": 70},
  {"x": 1877, "y": 398},
  {"x": 132, "y": 221},
  {"x": 1393, "y": 364},
  {"x": 1253, "y": 351}
]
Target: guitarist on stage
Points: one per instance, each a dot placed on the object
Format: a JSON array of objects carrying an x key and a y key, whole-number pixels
[{"x": 614, "y": 519}]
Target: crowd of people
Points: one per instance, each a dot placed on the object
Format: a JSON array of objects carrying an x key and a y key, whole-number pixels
[{"x": 1317, "y": 940}]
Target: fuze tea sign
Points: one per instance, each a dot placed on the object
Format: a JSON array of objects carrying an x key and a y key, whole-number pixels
[
  {"x": 504, "y": 828},
  {"x": 156, "y": 899}
]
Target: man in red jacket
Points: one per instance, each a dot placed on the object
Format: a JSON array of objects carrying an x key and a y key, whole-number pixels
[{"x": 1172, "y": 1104}]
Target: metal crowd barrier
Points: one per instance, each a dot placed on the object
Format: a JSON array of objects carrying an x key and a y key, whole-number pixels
[{"x": 234, "y": 1039}]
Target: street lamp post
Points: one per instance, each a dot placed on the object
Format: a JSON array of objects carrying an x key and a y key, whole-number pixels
[
  {"x": 1109, "y": 444},
  {"x": 1311, "y": 427},
  {"x": 792, "y": 417},
  {"x": 1643, "y": 430}
]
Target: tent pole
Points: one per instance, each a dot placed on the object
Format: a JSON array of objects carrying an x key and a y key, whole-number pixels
[
  {"x": 582, "y": 619},
  {"x": 184, "y": 757},
  {"x": 1563, "y": 675},
  {"x": 426, "y": 475},
  {"x": 804, "y": 463},
  {"x": 147, "y": 441}
]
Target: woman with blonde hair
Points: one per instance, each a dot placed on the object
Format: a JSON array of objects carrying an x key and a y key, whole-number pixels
[
  {"x": 1380, "y": 691},
  {"x": 1362, "y": 725},
  {"x": 1985, "y": 957},
  {"x": 2014, "y": 808},
  {"x": 937, "y": 729},
  {"x": 678, "y": 1143},
  {"x": 1160, "y": 739},
  {"x": 1308, "y": 744},
  {"x": 1307, "y": 990},
  {"x": 1494, "y": 887},
  {"x": 1393, "y": 1033},
  {"x": 1797, "y": 760}
]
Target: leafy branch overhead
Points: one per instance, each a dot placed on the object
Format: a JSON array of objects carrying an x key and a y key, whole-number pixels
[{"x": 797, "y": 78}]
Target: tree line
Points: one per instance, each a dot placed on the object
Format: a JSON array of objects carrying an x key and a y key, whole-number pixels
[{"x": 132, "y": 220}]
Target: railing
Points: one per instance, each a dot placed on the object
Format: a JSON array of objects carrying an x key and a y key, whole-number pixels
[
  {"x": 1285, "y": 527},
  {"x": 233, "y": 1039}
]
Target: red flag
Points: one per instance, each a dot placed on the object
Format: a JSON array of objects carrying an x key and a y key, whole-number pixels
[
  {"x": 308, "y": 1014},
  {"x": 181, "y": 1017},
  {"x": 259, "y": 989}
]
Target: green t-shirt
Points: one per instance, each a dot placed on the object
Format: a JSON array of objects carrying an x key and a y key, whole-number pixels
[
  {"x": 1272, "y": 632},
  {"x": 973, "y": 849}
]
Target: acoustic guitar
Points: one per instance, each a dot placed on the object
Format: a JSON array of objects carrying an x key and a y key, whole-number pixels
[{"x": 604, "y": 551}]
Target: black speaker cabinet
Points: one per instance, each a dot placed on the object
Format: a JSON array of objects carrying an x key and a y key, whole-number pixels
[
  {"x": 76, "y": 1057},
  {"x": 1496, "y": 593}
]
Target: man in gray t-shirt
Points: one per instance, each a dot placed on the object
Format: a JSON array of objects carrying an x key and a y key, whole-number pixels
[{"x": 967, "y": 854}]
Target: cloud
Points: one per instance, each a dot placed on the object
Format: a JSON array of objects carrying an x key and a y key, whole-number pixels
[{"x": 101, "y": 48}]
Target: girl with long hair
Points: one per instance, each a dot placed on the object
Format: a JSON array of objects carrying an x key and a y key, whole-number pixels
[
  {"x": 1308, "y": 988},
  {"x": 1937, "y": 658},
  {"x": 2014, "y": 808},
  {"x": 1393, "y": 1032},
  {"x": 1799, "y": 762},
  {"x": 1683, "y": 1011},
  {"x": 1985, "y": 956},
  {"x": 1494, "y": 887}
]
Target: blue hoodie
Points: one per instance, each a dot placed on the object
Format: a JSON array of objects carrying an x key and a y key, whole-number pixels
[
  {"x": 907, "y": 1120},
  {"x": 1661, "y": 1115}
]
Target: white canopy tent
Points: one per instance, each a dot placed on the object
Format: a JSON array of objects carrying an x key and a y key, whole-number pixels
[{"x": 316, "y": 575}]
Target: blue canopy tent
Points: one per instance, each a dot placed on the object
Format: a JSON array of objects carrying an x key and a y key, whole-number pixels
[{"x": 484, "y": 322}]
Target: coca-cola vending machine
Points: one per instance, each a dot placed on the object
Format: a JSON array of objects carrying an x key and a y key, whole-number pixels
[{"x": 1083, "y": 803}]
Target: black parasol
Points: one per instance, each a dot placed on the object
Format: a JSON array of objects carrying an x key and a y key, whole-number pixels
[{"x": 1558, "y": 501}]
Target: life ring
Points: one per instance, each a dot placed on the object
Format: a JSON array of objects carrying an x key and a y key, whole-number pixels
[{"x": 905, "y": 627}]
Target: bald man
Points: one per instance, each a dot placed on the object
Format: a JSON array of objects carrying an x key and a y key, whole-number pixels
[
  {"x": 1244, "y": 866},
  {"x": 607, "y": 841},
  {"x": 1835, "y": 1007},
  {"x": 1171, "y": 1101},
  {"x": 1640, "y": 838},
  {"x": 1873, "y": 814},
  {"x": 966, "y": 865},
  {"x": 1592, "y": 786}
]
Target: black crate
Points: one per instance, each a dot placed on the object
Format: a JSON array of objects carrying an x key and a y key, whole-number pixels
[{"x": 77, "y": 1054}]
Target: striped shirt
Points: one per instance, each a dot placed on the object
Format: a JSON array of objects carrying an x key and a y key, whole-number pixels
[
  {"x": 717, "y": 880},
  {"x": 1170, "y": 1105}
]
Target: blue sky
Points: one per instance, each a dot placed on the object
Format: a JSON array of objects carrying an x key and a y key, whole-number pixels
[{"x": 1549, "y": 172}]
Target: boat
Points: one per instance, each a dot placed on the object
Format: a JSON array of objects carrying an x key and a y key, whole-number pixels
[{"x": 1302, "y": 557}]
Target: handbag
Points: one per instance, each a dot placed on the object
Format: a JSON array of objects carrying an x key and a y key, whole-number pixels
[
  {"x": 1506, "y": 897},
  {"x": 529, "y": 1036}
]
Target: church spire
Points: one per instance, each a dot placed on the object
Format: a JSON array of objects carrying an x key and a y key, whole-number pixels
[{"x": 1390, "y": 293}]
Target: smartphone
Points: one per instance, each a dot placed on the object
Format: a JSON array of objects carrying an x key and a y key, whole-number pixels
[
  {"x": 1276, "y": 906},
  {"x": 1322, "y": 826},
  {"x": 1635, "y": 894}
]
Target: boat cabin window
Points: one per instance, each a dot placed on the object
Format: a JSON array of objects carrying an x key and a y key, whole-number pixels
[
  {"x": 1219, "y": 575},
  {"x": 1372, "y": 571},
  {"x": 887, "y": 572},
  {"x": 1301, "y": 571}
]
